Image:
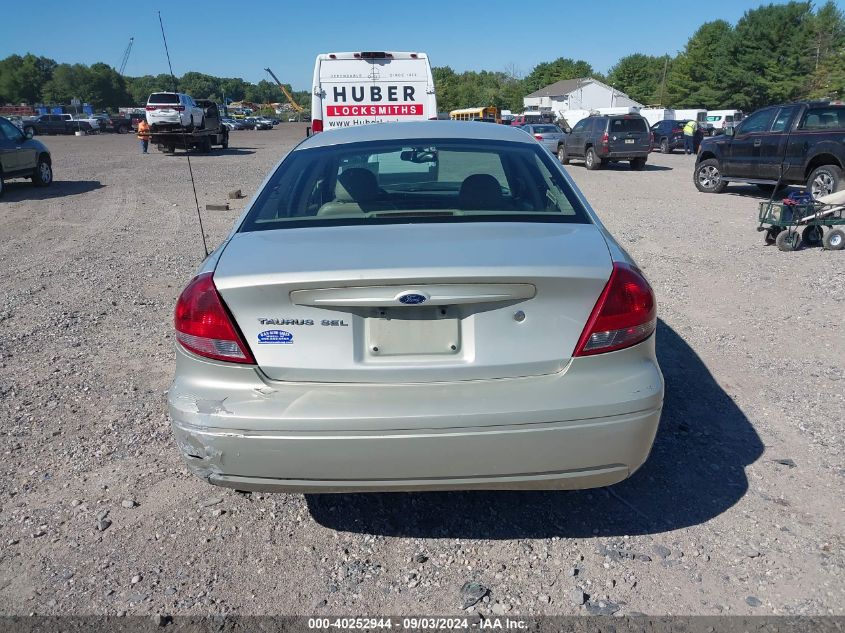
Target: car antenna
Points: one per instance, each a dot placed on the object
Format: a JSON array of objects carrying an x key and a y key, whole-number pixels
[{"x": 184, "y": 139}]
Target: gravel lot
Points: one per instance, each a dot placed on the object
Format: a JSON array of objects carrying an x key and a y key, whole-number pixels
[{"x": 739, "y": 509}]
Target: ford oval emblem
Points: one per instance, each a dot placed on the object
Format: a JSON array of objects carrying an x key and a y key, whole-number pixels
[{"x": 412, "y": 299}]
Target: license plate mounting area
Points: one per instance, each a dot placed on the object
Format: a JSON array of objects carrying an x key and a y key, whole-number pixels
[{"x": 413, "y": 331}]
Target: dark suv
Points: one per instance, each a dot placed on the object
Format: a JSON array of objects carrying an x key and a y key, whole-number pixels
[
  {"x": 598, "y": 140},
  {"x": 790, "y": 144},
  {"x": 21, "y": 156},
  {"x": 668, "y": 135}
]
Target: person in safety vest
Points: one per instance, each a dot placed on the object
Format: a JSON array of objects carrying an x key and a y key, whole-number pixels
[
  {"x": 689, "y": 135},
  {"x": 144, "y": 135}
]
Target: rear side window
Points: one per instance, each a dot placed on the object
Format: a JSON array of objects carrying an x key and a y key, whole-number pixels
[
  {"x": 163, "y": 97},
  {"x": 619, "y": 126},
  {"x": 827, "y": 118},
  {"x": 415, "y": 181}
]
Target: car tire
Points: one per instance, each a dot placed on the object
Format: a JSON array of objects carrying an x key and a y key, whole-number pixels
[
  {"x": 591, "y": 161},
  {"x": 824, "y": 180},
  {"x": 2, "y": 184},
  {"x": 123, "y": 130},
  {"x": 638, "y": 164},
  {"x": 664, "y": 146},
  {"x": 708, "y": 177},
  {"x": 562, "y": 156},
  {"x": 788, "y": 240},
  {"x": 834, "y": 240},
  {"x": 202, "y": 123},
  {"x": 43, "y": 174},
  {"x": 225, "y": 142}
]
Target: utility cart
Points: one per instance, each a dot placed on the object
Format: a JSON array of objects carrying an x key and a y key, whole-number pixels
[{"x": 801, "y": 219}]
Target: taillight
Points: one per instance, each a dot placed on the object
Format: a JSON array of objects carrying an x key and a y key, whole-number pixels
[
  {"x": 203, "y": 325},
  {"x": 316, "y": 126},
  {"x": 179, "y": 108},
  {"x": 539, "y": 137},
  {"x": 605, "y": 139},
  {"x": 151, "y": 108},
  {"x": 624, "y": 315}
]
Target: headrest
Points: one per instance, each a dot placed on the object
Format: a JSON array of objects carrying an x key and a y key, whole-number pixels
[
  {"x": 480, "y": 192},
  {"x": 356, "y": 185}
]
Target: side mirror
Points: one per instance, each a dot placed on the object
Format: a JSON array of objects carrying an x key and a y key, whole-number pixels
[
  {"x": 28, "y": 133},
  {"x": 729, "y": 131},
  {"x": 567, "y": 130}
]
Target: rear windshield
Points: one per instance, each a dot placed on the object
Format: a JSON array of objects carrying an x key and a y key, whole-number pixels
[
  {"x": 163, "y": 97},
  {"x": 628, "y": 125},
  {"x": 547, "y": 129},
  {"x": 415, "y": 181}
]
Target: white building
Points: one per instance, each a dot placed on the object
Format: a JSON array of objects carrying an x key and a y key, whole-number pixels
[{"x": 585, "y": 93}]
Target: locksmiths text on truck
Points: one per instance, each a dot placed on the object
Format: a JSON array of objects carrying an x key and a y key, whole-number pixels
[{"x": 371, "y": 87}]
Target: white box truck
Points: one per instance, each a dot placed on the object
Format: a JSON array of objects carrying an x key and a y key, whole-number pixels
[
  {"x": 655, "y": 115},
  {"x": 371, "y": 87},
  {"x": 720, "y": 120},
  {"x": 698, "y": 115}
]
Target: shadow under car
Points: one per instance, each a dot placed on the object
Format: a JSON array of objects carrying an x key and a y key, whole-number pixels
[{"x": 695, "y": 472}]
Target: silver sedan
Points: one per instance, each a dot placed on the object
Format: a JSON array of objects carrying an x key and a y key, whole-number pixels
[
  {"x": 549, "y": 136},
  {"x": 406, "y": 306}
]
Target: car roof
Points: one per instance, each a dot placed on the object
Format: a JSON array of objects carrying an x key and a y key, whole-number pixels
[{"x": 416, "y": 130}]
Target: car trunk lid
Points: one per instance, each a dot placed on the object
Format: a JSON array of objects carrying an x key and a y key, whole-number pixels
[{"x": 413, "y": 302}]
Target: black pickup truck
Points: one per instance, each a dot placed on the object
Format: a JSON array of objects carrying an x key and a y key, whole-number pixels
[
  {"x": 790, "y": 144},
  {"x": 56, "y": 124}
]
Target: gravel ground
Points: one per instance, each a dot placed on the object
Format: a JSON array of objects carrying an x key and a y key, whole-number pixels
[{"x": 739, "y": 509}]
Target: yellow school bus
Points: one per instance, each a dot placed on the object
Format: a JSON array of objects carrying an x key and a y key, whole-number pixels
[{"x": 471, "y": 114}]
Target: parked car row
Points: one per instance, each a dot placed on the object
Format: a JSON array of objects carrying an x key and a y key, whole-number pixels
[
  {"x": 598, "y": 140},
  {"x": 250, "y": 123}
]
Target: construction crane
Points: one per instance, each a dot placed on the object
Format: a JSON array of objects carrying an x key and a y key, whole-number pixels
[
  {"x": 125, "y": 56},
  {"x": 288, "y": 95}
]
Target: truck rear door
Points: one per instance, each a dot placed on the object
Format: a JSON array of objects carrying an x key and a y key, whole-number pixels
[
  {"x": 373, "y": 88},
  {"x": 773, "y": 145}
]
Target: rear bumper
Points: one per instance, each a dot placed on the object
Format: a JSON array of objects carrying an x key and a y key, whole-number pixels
[
  {"x": 622, "y": 154},
  {"x": 165, "y": 120},
  {"x": 590, "y": 425}
]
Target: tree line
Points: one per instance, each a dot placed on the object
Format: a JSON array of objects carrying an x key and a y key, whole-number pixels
[
  {"x": 774, "y": 53},
  {"x": 30, "y": 79}
]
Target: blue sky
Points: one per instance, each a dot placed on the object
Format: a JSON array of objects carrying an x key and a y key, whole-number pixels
[{"x": 241, "y": 39}]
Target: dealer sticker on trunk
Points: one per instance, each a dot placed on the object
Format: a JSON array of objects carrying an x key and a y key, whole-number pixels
[{"x": 275, "y": 336}]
